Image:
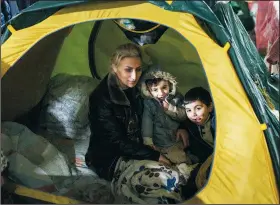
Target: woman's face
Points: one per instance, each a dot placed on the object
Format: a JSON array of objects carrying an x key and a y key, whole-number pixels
[{"x": 128, "y": 71}]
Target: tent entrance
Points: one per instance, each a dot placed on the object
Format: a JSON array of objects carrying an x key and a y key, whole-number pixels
[{"x": 68, "y": 51}]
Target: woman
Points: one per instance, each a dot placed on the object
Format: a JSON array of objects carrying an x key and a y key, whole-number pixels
[
  {"x": 116, "y": 150},
  {"x": 115, "y": 114}
]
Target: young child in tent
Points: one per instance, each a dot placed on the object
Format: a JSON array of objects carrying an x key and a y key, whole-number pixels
[
  {"x": 201, "y": 126},
  {"x": 200, "y": 112},
  {"x": 162, "y": 114}
]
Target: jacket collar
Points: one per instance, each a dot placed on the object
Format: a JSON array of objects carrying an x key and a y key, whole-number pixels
[{"x": 116, "y": 93}]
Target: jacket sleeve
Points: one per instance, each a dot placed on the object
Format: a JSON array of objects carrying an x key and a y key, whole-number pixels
[
  {"x": 109, "y": 131},
  {"x": 175, "y": 109},
  {"x": 147, "y": 125}
]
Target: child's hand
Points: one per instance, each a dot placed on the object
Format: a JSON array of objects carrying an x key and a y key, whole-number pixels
[
  {"x": 164, "y": 160},
  {"x": 184, "y": 136},
  {"x": 165, "y": 105}
]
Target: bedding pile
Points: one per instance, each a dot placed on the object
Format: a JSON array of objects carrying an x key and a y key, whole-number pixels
[
  {"x": 36, "y": 163},
  {"x": 33, "y": 161},
  {"x": 64, "y": 109}
]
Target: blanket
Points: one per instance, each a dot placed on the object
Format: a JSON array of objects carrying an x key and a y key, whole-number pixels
[{"x": 145, "y": 181}]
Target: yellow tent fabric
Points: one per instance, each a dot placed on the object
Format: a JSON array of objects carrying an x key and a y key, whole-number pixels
[
  {"x": 24, "y": 191},
  {"x": 242, "y": 169}
]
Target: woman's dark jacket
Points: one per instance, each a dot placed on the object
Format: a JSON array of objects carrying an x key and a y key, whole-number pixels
[{"x": 115, "y": 127}]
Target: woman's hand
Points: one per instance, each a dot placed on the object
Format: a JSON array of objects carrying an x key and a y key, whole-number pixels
[
  {"x": 164, "y": 160},
  {"x": 153, "y": 147},
  {"x": 183, "y": 134}
]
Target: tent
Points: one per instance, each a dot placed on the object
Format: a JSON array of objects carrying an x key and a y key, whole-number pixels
[{"x": 205, "y": 44}]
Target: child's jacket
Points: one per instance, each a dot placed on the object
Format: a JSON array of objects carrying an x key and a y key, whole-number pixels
[{"x": 159, "y": 127}]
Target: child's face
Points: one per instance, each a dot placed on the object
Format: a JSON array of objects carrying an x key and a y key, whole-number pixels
[
  {"x": 161, "y": 90},
  {"x": 198, "y": 112}
]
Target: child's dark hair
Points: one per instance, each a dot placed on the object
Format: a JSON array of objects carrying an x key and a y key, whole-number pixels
[
  {"x": 152, "y": 82},
  {"x": 198, "y": 93}
]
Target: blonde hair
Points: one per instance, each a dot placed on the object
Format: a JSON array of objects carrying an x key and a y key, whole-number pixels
[{"x": 124, "y": 51}]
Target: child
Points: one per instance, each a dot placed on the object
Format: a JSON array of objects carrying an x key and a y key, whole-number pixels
[
  {"x": 162, "y": 115},
  {"x": 201, "y": 127},
  {"x": 199, "y": 109}
]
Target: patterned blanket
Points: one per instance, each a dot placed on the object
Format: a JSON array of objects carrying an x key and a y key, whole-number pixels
[{"x": 145, "y": 181}]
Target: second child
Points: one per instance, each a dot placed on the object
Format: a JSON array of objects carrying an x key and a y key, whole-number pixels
[{"x": 163, "y": 112}]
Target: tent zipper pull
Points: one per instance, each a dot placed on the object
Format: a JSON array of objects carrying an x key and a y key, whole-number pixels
[{"x": 226, "y": 47}]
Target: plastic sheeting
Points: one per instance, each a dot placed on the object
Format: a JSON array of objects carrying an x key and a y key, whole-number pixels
[
  {"x": 267, "y": 24},
  {"x": 272, "y": 32}
]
